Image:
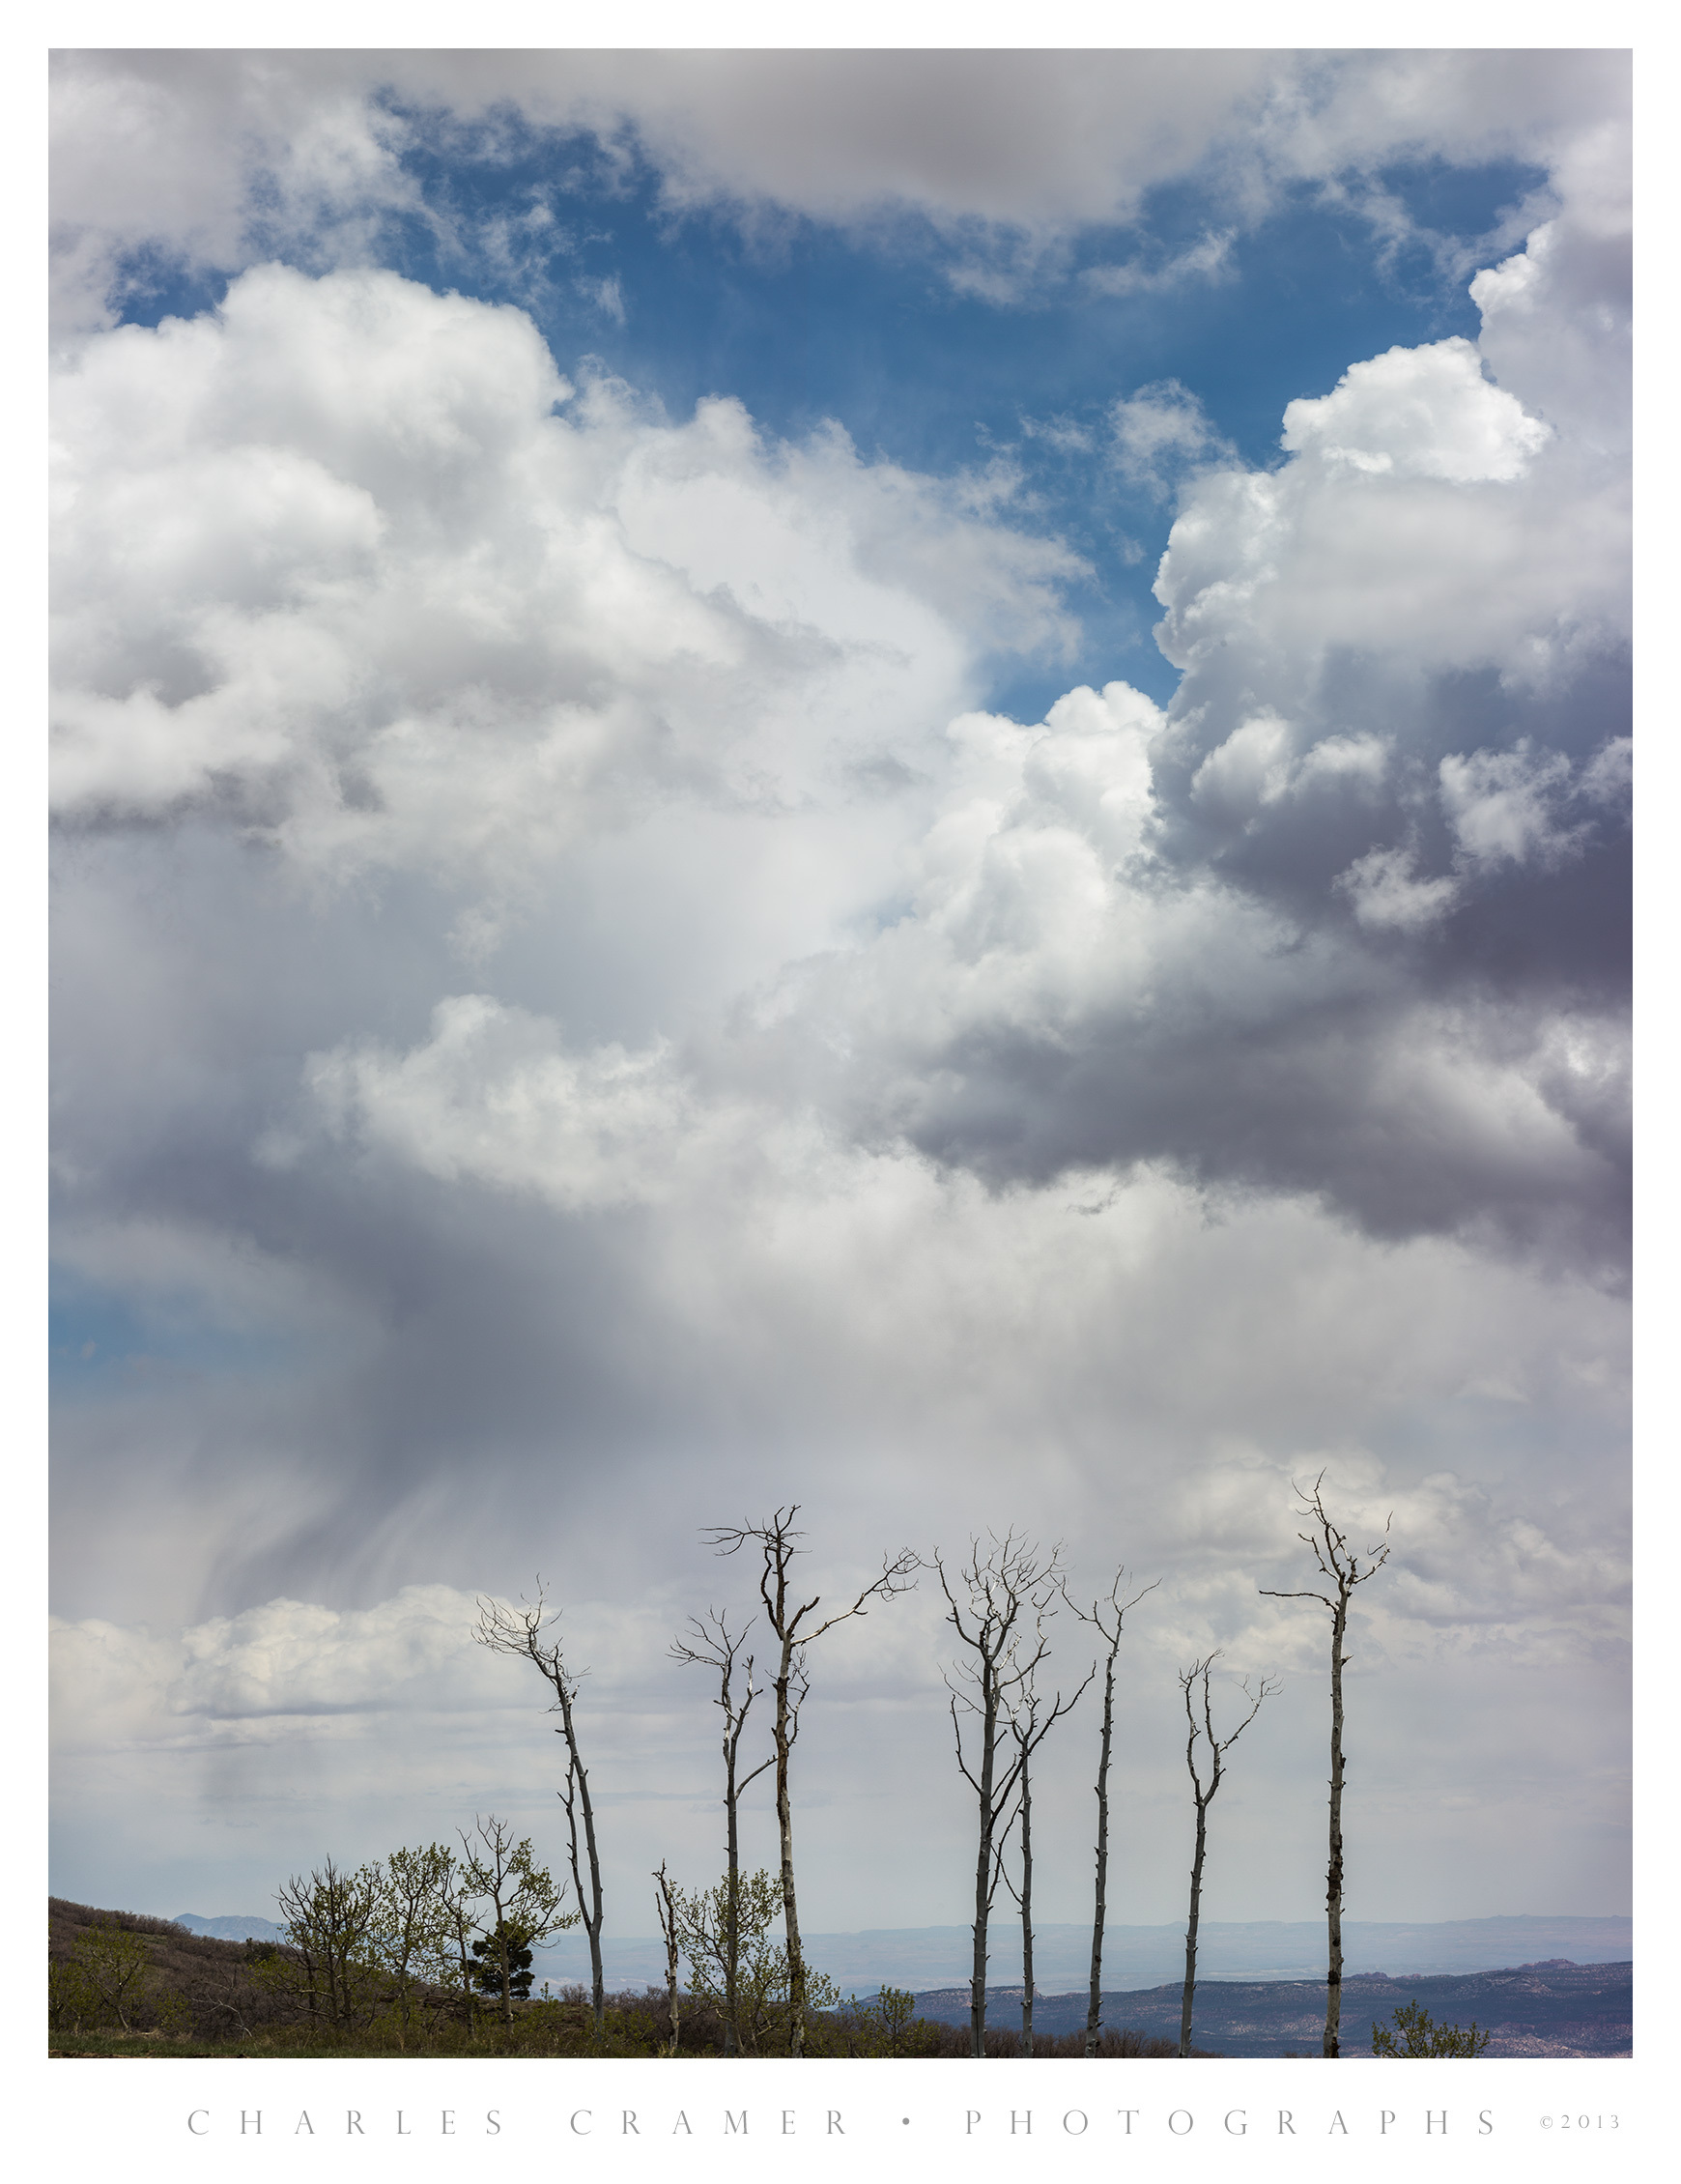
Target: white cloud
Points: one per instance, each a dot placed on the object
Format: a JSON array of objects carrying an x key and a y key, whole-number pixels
[
  {"x": 412, "y": 604},
  {"x": 1205, "y": 260},
  {"x": 208, "y": 156},
  {"x": 1419, "y": 413},
  {"x": 491, "y": 1095},
  {"x": 226, "y": 1755},
  {"x": 1259, "y": 764},
  {"x": 1502, "y": 805},
  {"x": 222, "y": 158},
  {"x": 1385, "y": 891},
  {"x": 1433, "y": 519},
  {"x": 1161, "y": 434},
  {"x": 857, "y": 1094},
  {"x": 354, "y": 563},
  {"x": 1252, "y": 767},
  {"x": 1557, "y": 316},
  {"x": 292, "y": 1658},
  {"x": 1045, "y": 1004}
]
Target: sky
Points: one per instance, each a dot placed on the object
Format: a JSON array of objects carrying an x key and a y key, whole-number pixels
[{"x": 888, "y": 779}]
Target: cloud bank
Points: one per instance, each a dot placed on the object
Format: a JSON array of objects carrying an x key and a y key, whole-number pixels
[{"x": 582, "y": 1014}]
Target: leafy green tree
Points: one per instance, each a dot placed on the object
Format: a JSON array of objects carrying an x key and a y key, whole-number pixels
[
  {"x": 509, "y": 1945},
  {"x": 413, "y": 1931},
  {"x": 113, "y": 1962},
  {"x": 71, "y": 1999},
  {"x": 1416, "y": 2033},
  {"x": 896, "y": 2008},
  {"x": 331, "y": 1922},
  {"x": 768, "y": 2003},
  {"x": 457, "y": 1927},
  {"x": 525, "y": 1902}
]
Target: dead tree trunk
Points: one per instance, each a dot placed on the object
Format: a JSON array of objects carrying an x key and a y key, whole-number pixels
[
  {"x": 713, "y": 1646},
  {"x": 1108, "y": 1616},
  {"x": 1003, "y": 1590},
  {"x": 507, "y": 1630},
  {"x": 1190, "y": 1933},
  {"x": 668, "y": 1911},
  {"x": 776, "y": 1540},
  {"x": 1026, "y": 1824},
  {"x": 1030, "y": 1733},
  {"x": 1204, "y": 1795},
  {"x": 1340, "y": 1567},
  {"x": 575, "y": 1799}
]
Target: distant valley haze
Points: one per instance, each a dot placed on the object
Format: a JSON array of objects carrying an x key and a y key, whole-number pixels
[{"x": 1133, "y": 1956}]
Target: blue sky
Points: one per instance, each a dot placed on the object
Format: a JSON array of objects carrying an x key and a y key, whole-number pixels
[
  {"x": 625, "y": 956},
  {"x": 804, "y": 322}
]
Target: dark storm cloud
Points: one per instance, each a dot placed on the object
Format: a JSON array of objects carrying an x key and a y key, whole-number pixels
[{"x": 1353, "y": 917}]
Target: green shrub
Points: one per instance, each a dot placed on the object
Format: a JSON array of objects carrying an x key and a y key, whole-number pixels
[{"x": 1416, "y": 2033}]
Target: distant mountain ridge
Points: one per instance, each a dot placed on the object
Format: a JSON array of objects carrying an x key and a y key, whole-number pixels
[
  {"x": 930, "y": 1957},
  {"x": 230, "y": 1926},
  {"x": 1555, "y": 2008}
]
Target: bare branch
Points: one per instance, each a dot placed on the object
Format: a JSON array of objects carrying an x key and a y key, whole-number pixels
[
  {"x": 776, "y": 1542},
  {"x": 521, "y": 1630},
  {"x": 997, "y": 1602},
  {"x": 1340, "y": 1568},
  {"x": 1109, "y": 1614}
]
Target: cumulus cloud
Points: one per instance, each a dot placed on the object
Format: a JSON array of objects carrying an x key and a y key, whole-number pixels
[
  {"x": 1058, "y": 998},
  {"x": 851, "y": 1092},
  {"x": 290, "y": 1657},
  {"x": 1432, "y": 585},
  {"x": 416, "y": 604},
  {"x": 1048, "y": 1004},
  {"x": 492, "y": 1095},
  {"x": 408, "y": 599},
  {"x": 1419, "y": 413}
]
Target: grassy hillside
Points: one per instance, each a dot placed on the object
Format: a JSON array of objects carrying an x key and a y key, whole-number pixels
[{"x": 119, "y": 1984}]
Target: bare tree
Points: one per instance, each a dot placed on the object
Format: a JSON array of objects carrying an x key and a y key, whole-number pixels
[
  {"x": 670, "y": 1912},
  {"x": 712, "y": 1645},
  {"x": 776, "y": 1540},
  {"x": 1001, "y": 1619},
  {"x": 1108, "y": 1616},
  {"x": 1030, "y": 1733},
  {"x": 521, "y": 1630},
  {"x": 525, "y": 1902},
  {"x": 1203, "y": 1794},
  {"x": 1339, "y": 1565}
]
